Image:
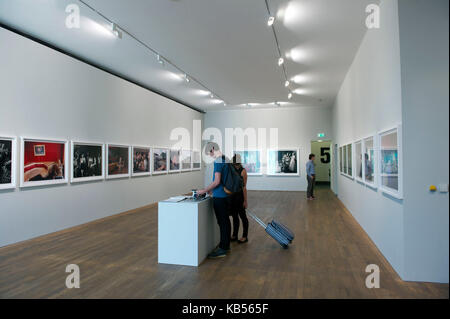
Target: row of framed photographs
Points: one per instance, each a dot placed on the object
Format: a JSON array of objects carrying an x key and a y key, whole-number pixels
[
  {"x": 280, "y": 162},
  {"x": 46, "y": 161},
  {"x": 375, "y": 160}
]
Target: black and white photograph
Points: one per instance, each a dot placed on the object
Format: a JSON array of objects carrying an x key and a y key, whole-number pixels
[
  {"x": 7, "y": 167},
  {"x": 87, "y": 162},
  {"x": 141, "y": 161},
  {"x": 282, "y": 162},
  {"x": 160, "y": 157},
  {"x": 186, "y": 158}
]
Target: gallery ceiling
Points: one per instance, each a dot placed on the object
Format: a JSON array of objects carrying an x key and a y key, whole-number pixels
[{"x": 225, "y": 48}]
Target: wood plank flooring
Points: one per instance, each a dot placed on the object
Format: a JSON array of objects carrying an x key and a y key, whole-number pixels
[{"x": 117, "y": 257}]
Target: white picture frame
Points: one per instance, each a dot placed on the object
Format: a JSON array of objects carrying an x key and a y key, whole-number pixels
[
  {"x": 167, "y": 152},
  {"x": 74, "y": 179},
  {"x": 374, "y": 166},
  {"x": 199, "y": 168},
  {"x": 260, "y": 161},
  {"x": 13, "y": 172},
  {"x": 123, "y": 175},
  {"x": 24, "y": 177},
  {"x": 358, "y": 163},
  {"x": 188, "y": 154},
  {"x": 175, "y": 170},
  {"x": 396, "y": 193},
  {"x": 287, "y": 149},
  {"x": 148, "y": 172}
]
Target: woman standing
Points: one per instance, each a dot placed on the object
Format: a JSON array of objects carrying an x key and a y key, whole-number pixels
[{"x": 239, "y": 203}]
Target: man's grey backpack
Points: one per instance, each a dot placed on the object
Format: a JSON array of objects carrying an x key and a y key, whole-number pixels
[{"x": 233, "y": 181}]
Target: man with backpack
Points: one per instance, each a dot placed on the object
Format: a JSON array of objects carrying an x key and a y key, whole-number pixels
[{"x": 226, "y": 181}]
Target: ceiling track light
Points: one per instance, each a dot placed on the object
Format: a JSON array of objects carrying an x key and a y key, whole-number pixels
[
  {"x": 186, "y": 78},
  {"x": 160, "y": 60},
  {"x": 277, "y": 103},
  {"x": 211, "y": 96},
  {"x": 286, "y": 84},
  {"x": 280, "y": 61},
  {"x": 290, "y": 95},
  {"x": 270, "y": 21},
  {"x": 115, "y": 30}
]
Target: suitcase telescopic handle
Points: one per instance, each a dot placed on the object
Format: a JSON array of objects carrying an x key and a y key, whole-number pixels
[{"x": 259, "y": 221}]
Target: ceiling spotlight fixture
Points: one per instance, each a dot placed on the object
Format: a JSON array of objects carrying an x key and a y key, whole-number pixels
[
  {"x": 290, "y": 95},
  {"x": 115, "y": 30},
  {"x": 280, "y": 61},
  {"x": 277, "y": 103},
  {"x": 270, "y": 21},
  {"x": 211, "y": 96},
  {"x": 160, "y": 60},
  {"x": 224, "y": 104},
  {"x": 286, "y": 84},
  {"x": 186, "y": 78}
]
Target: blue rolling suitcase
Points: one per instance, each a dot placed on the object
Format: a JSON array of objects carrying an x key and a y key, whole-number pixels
[{"x": 276, "y": 230}]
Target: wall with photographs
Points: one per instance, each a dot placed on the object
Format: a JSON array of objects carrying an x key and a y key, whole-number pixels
[
  {"x": 424, "y": 48},
  {"x": 370, "y": 101},
  {"x": 48, "y": 95},
  {"x": 297, "y": 127}
]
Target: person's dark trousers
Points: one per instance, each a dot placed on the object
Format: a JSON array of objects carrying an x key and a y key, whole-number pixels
[
  {"x": 222, "y": 209},
  {"x": 310, "y": 189},
  {"x": 237, "y": 206}
]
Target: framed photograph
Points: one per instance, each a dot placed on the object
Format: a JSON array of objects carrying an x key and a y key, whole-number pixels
[
  {"x": 345, "y": 154},
  {"x": 350, "y": 160},
  {"x": 174, "y": 161},
  {"x": 369, "y": 161},
  {"x": 160, "y": 160},
  {"x": 118, "y": 159},
  {"x": 141, "y": 160},
  {"x": 87, "y": 162},
  {"x": 8, "y": 156},
  {"x": 359, "y": 161},
  {"x": 283, "y": 162},
  {"x": 251, "y": 161},
  {"x": 196, "y": 161},
  {"x": 43, "y": 162},
  {"x": 390, "y": 162},
  {"x": 186, "y": 160}
]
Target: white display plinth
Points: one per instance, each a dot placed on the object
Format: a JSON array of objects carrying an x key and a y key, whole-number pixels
[{"x": 187, "y": 231}]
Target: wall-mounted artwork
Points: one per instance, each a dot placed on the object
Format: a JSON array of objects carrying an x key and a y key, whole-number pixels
[
  {"x": 350, "y": 160},
  {"x": 141, "y": 160},
  {"x": 369, "y": 161},
  {"x": 118, "y": 161},
  {"x": 196, "y": 160},
  {"x": 358, "y": 160},
  {"x": 341, "y": 161},
  {"x": 390, "y": 161},
  {"x": 283, "y": 162},
  {"x": 160, "y": 160},
  {"x": 186, "y": 160},
  {"x": 7, "y": 162},
  {"x": 43, "y": 162},
  {"x": 87, "y": 162},
  {"x": 251, "y": 161},
  {"x": 174, "y": 164},
  {"x": 345, "y": 154}
]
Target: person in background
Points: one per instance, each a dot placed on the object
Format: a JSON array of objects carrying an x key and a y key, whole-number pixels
[
  {"x": 310, "y": 176},
  {"x": 239, "y": 204},
  {"x": 221, "y": 200}
]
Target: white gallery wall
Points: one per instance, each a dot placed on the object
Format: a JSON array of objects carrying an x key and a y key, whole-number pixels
[
  {"x": 46, "y": 94},
  {"x": 424, "y": 51},
  {"x": 369, "y": 101},
  {"x": 297, "y": 127}
]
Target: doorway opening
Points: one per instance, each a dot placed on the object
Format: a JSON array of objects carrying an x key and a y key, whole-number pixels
[{"x": 322, "y": 150}]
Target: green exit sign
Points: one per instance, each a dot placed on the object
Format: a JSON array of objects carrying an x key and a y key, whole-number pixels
[{"x": 321, "y": 135}]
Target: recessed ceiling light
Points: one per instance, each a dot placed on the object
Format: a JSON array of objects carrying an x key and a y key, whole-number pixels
[
  {"x": 270, "y": 21},
  {"x": 290, "y": 95},
  {"x": 186, "y": 78},
  {"x": 211, "y": 95},
  {"x": 286, "y": 84},
  {"x": 280, "y": 61}
]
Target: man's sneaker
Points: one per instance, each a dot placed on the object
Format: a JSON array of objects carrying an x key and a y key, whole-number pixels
[{"x": 218, "y": 253}]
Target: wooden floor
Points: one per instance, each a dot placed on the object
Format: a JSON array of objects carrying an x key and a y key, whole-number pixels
[{"x": 117, "y": 257}]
